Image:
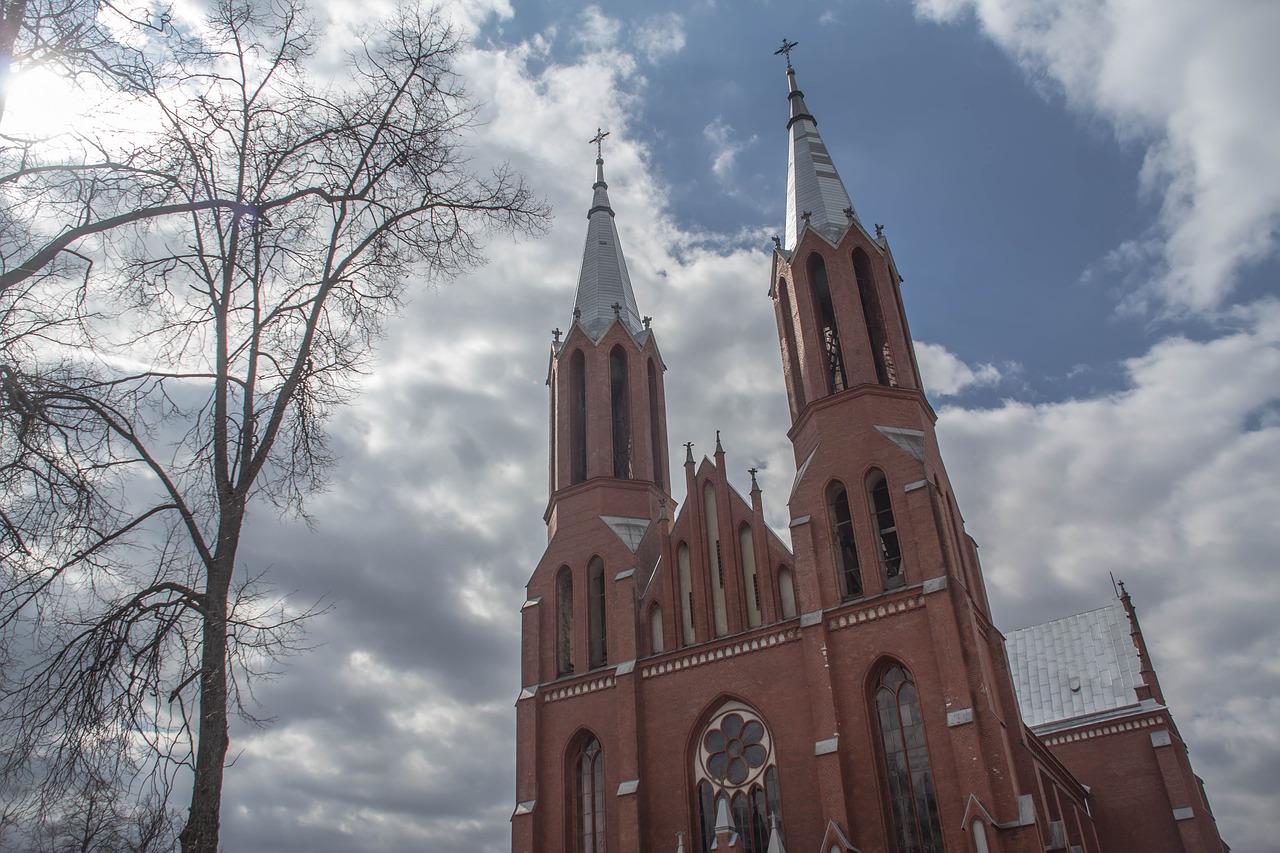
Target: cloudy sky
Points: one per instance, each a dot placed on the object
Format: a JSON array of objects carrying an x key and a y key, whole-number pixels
[{"x": 1083, "y": 197}]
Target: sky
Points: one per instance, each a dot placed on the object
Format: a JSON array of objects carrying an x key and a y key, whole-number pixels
[{"x": 1083, "y": 198}]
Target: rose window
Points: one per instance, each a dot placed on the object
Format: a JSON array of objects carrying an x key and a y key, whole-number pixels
[{"x": 734, "y": 749}]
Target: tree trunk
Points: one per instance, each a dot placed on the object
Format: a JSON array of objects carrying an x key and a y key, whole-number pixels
[{"x": 200, "y": 835}]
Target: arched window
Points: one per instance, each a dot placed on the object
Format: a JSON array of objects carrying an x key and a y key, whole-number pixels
[
  {"x": 750, "y": 582},
  {"x": 621, "y": 413},
  {"x": 655, "y": 629},
  {"x": 735, "y": 759},
  {"x": 786, "y": 592},
  {"x": 886, "y": 531},
  {"x": 825, "y": 315},
  {"x": 906, "y": 763},
  {"x": 577, "y": 417},
  {"x": 655, "y": 433},
  {"x": 980, "y": 837},
  {"x": 595, "y": 612},
  {"x": 564, "y": 621},
  {"x": 790, "y": 355},
  {"x": 715, "y": 559},
  {"x": 842, "y": 538},
  {"x": 686, "y": 594},
  {"x": 588, "y": 798},
  {"x": 873, "y": 316}
]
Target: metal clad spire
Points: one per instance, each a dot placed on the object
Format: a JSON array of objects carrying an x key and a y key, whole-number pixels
[
  {"x": 603, "y": 281},
  {"x": 816, "y": 196}
]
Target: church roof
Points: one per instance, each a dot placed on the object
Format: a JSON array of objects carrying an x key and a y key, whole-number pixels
[
  {"x": 813, "y": 185},
  {"x": 603, "y": 281},
  {"x": 1076, "y": 666}
]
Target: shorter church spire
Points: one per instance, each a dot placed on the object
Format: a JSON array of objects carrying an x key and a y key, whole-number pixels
[
  {"x": 816, "y": 197},
  {"x": 603, "y": 281}
]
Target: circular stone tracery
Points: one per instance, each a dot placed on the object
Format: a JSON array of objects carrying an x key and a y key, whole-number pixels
[{"x": 735, "y": 748}]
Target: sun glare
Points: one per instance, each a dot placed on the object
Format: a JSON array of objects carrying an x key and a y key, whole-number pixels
[{"x": 43, "y": 103}]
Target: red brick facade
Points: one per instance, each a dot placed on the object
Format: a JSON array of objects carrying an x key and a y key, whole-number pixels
[{"x": 643, "y": 626}]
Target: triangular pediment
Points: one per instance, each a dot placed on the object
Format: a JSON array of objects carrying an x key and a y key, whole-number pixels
[{"x": 629, "y": 530}]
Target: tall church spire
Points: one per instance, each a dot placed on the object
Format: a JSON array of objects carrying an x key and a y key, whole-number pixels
[
  {"x": 815, "y": 195},
  {"x": 604, "y": 287}
]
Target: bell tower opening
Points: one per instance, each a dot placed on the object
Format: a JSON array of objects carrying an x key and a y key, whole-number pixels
[{"x": 825, "y": 315}]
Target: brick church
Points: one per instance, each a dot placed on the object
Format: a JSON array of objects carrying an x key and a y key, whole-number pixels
[{"x": 691, "y": 683}]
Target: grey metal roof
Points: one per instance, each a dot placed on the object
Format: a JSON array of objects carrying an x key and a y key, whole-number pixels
[
  {"x": 603, "y": 280},
  {"x": 813, "y": 185},
  {"x": 1076, "y": 666}
]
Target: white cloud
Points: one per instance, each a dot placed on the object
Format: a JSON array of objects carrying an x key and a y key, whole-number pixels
[
  {"x": 1195, "y": 83},
  {"x": 945, "y": 375},
  {"x": 660, "y": 36},
  {"x": 725, "y": 148},
  {"x": 1170, "y": 486}
]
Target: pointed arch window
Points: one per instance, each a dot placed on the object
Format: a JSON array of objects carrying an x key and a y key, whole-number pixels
[
  {"x": 564, "y": 621},
  {"x": 686, "y": 594},
  {"x": 596, "y": 612},
  {"x": 655, "y": 629},
  {"x": 874, "y": 317},
  {"x": 621, "y": 412},
  {"x": 908, "y": 776},
  {"x": 655, "y": 431},
  {"x": 886, "y": 528},
  {"x": 850, "y": 574},
  {"x": 750, "y": 580},
  {"x": 735, "y": 760},
  {"x": 588, "y": 798},
  {"x": 825, "y": 315},
  {"x": 715, "y": 559},
  {"x": 577, "y": 417},
  {"x": 786, "y": 592}
]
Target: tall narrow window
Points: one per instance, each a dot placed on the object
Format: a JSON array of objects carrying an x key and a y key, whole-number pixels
[
  {"x": 715, "y": 561},
  {"x": 825, "y": 315},
  {"x": 842, "y": 536},
  {"x": 655, "y": 629},
  {"x": 886, "y": 532},
  {"x": 595, "y": 612},
  {"x": 786, "y": 592},
  {"x": 750, "y": 582},
  {"x": 577, "y": 417},
  {"x": 564, "y": 621},
  {"x": 686, "y": 594},
  {"x": 906, "y": 763},
  {"x": 873, "y": 316},
  {"x": 790, "y": 355},
  {"x": 588, "y": 805},
  {"x": 735, "y": 759},
  {"x": 620, "y": 408},
  {"x": 655, "y": 431}
]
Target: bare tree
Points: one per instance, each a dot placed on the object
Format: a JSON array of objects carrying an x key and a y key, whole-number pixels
[{"x": 232, "y": 264}]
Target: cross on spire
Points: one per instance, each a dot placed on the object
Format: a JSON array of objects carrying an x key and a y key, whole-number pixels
[
  {"x": 785, "y": 50},
  {"x": 598, "y": 141}
]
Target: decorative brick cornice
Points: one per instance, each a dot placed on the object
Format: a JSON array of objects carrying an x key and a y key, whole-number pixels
[
  {"x": 877, "y": 611},
  {"x": 1102, "y": 731},
  {"x": 579, "y": 688},
  {"x": 712, "y": 655}
]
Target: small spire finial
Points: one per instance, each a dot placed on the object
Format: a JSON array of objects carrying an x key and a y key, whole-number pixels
[
  {"x": 777, "y": 242},
  {"x": 719, "y": 449},
  {"x": 755, "y": 487},
  {"x": 879, "y": 230},
  {"x": 647, "y": 321},
  {"x": 617, "y": 309},
  {"x": 785, "y": 50},
  {"x": 688, "y": 453},
  {"x": 598, "y": 141},
  {"x": 577, "y": 314},
  {"x": 557, "y": 333}
]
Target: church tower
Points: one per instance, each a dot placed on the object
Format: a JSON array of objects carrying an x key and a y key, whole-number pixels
[{"x": 693, "y": 684}]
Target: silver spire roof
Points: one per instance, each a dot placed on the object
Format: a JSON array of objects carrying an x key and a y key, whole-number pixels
[
  {"x": 603, "y": 281},
  {"x": 813, "y": 185}
]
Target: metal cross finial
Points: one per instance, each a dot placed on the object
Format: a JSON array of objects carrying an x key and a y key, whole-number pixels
[
  {"x": 879, "y": 230},
  {"x": 647, "y": 321},
  {"x": 598, "y": 140},
  {"x": 785, "y": 50},
  {"x": 617, "y": 309},
  {"x": 557, "y": 333}
]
